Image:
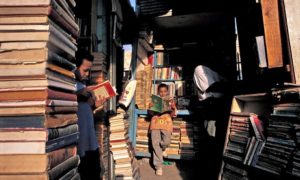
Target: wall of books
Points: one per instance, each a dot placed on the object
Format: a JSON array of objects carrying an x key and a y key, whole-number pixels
[
  {"x": 38, "y": 104},
  {"x": 264, "y": 144}
]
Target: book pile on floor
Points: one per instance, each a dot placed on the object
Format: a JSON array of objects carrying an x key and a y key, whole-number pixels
[
  {"x": 38, "y": 104},
  {"x": 173, "y": 148},
  {"x": 102, "y": 134},
  {"x": 142, "y": 138},
  {"x": 187, "y": 140},
  {"x": 125, "y": 167}
]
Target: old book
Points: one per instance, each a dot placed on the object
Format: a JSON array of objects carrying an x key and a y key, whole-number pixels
[
  {"x": 58, "y": 156},
  {"x": 34, "y": 163},
  {"x": 76, "y": 177},
  {"x": 54, "y": 133},
  {"x": 63, "y": 168},
  {"x": 62, "y": 142},
  {"x": 30, "y": 19},
  {"x": 39, "y": 121},
  {"x": 61, "y": 110},
  {"x": 25, "y": 3},
  {"x": 24, "y": 10},
  {"x": 34, "y": 94},
  {"x": 69, "y": 174},
  {"x": 24, "y": 134},
  {"x": 42, "y": 176},
  {"x": 257, "y": 126},
  {"x": 160, "y": 105},
  {"x": 104, "y": 89},
  {"x": 22, "y": 147}
]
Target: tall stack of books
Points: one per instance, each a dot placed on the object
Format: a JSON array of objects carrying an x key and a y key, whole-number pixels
[
  {"x": 124, "y": 166},
  {"x": 98, "y": 69},
  {"x": 143, "y": 85},
  {"x": 102, "y": 134},
  {"x": 173, "y": 148},
  {"x": 142, "y": 139},
  {"x": 239, "y": 133},
  {"x": 187, "y": 140},
  {"x": 38, "y": 104},
  {"x": 296, "y": 157}
]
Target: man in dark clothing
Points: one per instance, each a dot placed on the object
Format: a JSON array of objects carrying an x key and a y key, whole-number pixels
[{"x": 89, "y": 167}]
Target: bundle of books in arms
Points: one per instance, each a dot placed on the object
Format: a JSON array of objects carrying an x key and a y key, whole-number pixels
[
  {"x": 125, "y": 166},
  {"x": 142, "y": 135},
  {"x": 280, "y": 153},
  {"x": 38, "y": 104},
  {"x": 187, "y": 140}
]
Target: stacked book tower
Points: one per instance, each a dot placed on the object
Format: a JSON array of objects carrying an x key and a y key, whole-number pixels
[
  {"x": 187, "y": 140},
  {"x": 143, "y": 85},
  {"x": 281, "y": 153},
  {"x": 173, "y": 148},
  {"x": 236, "y": 147},
  {"x": 102, "y": 133},
  {"x": 125, "y": 166},
  {"x": 38, "y": 104},
  {"x": 99, "y": 68},
  {"x": 142, "y": 139}
]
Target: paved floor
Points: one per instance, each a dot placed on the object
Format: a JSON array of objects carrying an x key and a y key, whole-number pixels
[{"x": 176, "y": 171}]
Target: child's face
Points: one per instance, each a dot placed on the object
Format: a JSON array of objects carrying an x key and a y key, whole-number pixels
[{"x": 163, "y": 92}]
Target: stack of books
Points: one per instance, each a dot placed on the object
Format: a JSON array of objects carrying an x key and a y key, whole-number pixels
[
  {"x": 232, "y": 171},
  {"x": 99, "y": 68},
  {"x": 38, "y": 104},
  {"x": 187, "y": 140},
  {"x": 124, "y": 166},
  {"x": 239, "y": 133},
  {"x": 296, "y": 157},
  {"x": 173, "y": 148},
  {"x": 142, "y": 138},
  {"x": 102, "y": 134},
  {"x": 143, "y": 85},
  {"x": 279, "y": 146}
]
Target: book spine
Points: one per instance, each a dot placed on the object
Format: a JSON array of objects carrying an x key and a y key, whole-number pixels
[
  {"x": 60, "y": 155},
  {"x": 61, "y": 142},
  {"x": 52, "y": 94},
  {"x": 54, "y": 133},
  {"x": 22, "y": 122},
  {"x": 63, "y": 168}
]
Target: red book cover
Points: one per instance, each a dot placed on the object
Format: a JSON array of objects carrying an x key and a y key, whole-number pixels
[{"x": 104, "y": 89}]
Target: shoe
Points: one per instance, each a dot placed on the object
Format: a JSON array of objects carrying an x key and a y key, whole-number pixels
[
  {"x": 159, "y": 172},
  {"x": 165, "y": 154}
]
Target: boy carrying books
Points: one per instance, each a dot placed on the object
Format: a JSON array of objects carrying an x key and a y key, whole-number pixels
[{"x": 161, "y": 128}]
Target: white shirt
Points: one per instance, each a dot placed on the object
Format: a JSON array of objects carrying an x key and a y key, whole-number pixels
[{"x": 204, "y": 77}]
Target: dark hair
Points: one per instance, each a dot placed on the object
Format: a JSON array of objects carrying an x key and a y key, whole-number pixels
[
  {"x": 81, "y": 55},
  {"x": 162, "y": 86}
]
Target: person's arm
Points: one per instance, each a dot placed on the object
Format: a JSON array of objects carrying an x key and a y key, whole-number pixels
[
  {"x": 83, "y": 95},
  {"x": 173, "y": 107}
]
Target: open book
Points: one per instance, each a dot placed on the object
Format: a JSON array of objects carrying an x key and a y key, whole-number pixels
[
  {"x": 160, "y": 105},
  {"x": 104, "y": 89}
]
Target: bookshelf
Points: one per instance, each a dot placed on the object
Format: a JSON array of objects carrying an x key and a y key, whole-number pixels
[{"x": 160, "y": 74}]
